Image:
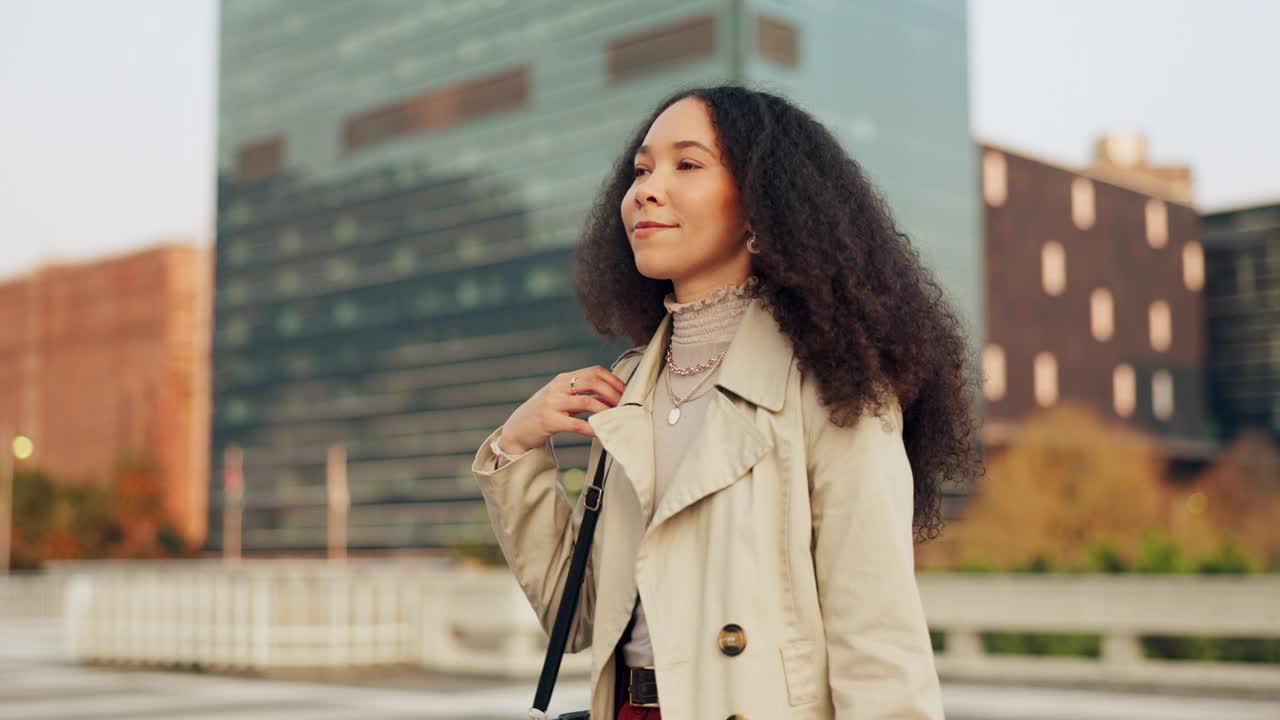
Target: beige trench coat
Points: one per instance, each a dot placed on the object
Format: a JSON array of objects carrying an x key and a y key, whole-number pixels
[{"x": 777, "y": 521}]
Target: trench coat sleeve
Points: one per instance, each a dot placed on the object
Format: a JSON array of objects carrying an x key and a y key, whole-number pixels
[
  {"x": 880, "y": 659},
  {"x": 536, "y": 527}
]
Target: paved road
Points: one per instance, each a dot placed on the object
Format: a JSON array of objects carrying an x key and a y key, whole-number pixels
[{"x": 36, "y": 683}]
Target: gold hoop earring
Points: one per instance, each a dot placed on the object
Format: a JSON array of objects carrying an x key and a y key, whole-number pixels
[{"x": 753, "y": 247}]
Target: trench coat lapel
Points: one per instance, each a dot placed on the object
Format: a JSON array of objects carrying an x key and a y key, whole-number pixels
[
  {"x": 728, "y": 442},
  {"x": 626, "y": 430}
]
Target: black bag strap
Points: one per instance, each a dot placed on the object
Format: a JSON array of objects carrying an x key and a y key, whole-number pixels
[{"x": 594, "y": 498}]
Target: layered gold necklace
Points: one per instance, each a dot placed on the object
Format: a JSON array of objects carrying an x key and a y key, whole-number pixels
[{"x": 707, "y": 367}]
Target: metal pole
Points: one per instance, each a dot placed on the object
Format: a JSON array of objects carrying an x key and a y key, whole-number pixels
[
  {"x": 6, "y": 499},
  {"x": 339, "y": 501},
  {"x": 232, "y": 501}
]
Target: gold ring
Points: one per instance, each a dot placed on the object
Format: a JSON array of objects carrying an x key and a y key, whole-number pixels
[{"x": 573, "y": 385}]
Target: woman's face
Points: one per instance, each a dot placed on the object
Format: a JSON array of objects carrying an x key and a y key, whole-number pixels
[{"x": 681, "y": 184}]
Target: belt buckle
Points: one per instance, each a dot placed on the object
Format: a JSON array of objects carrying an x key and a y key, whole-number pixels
[{"x": 631, "y": 685}]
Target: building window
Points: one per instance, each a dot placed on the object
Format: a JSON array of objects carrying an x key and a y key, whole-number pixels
[
  {"x": 1193, "y": 266},
  {"x": 1157, "y": 223},
  {"x": 1124, "y": 390},
  {"x": 290, "y": 241},
  {"x": 993, "y": 372},
  {"x": 1082, "y": 211},
  {"x": 1046, "y": 379},
  {"x": 288, "y": 282},
  {"x": 1101, "y": 314},
  {"x": 260, "y": 159},
  {"x": 661, "y": 48},
  {"x": 346, "y": 229},
  {"x": 543, "y": 282},
  {"x": 995, "y": 178},
  {"x": 438, "y": 109},
  {"x": 1053, "y": 268},
  {"x": 341, "y": 270},
  {"x": 1162, "y": 394},
  {"x": 469, "y": 294},
  {"x": 777, "y": 40},
  {"x": 235, "y": 331},
  {"x": 238, "y": 253},
  {"x": 236, "y": 410},
  {"x": 1244, "y": 275},
  {"x": 289, "y": 322},
  {"x": 346, "y": 313},
  {"x": 237, "y": 292},
  {"x": 1161, "y": 323},
  {"x": 405, "y": 260}
]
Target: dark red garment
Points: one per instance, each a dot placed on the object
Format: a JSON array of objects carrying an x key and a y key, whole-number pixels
[{"x": 631, "y": 712}]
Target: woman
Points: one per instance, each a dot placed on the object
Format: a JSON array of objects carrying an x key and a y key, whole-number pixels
[{"x": 800, "y": 392}]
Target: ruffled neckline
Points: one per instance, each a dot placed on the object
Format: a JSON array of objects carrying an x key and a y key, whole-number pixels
[
  {"x": 732, "y": 290},
  {"x": 711, "y": 319}
]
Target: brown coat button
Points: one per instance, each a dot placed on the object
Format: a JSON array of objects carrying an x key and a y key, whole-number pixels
[
  {"x": 737, "y": 717},
  {"x": 732, "y": 640}
]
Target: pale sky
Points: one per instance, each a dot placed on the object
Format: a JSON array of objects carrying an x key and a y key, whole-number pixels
[{"x": 107, "y": 133}]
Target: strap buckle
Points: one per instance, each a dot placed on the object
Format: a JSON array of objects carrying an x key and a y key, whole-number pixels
[{"x": 594, "y": 497}]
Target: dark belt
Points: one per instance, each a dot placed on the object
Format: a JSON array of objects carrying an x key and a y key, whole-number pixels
[{"x": 642, "y": 687}]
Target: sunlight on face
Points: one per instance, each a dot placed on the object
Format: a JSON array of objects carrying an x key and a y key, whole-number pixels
[{"x": 681, "y": 183}]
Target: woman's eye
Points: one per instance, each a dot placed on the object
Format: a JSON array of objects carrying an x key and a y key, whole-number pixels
[{"x": 636, "y": 171}]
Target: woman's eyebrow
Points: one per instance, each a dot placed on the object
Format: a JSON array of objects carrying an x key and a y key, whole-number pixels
[{"x": 679, "y": 144}]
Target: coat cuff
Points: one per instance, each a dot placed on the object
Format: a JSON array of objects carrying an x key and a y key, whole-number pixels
[{"x": 491, "y": 458}]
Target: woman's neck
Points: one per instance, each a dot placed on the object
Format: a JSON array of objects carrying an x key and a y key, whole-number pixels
[{"x": 691, "y": 290}]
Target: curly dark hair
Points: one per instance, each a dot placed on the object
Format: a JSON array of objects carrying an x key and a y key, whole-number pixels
[{"x": 843, "y": 282}]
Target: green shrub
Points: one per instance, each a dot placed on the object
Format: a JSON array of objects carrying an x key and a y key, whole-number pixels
[
  {"x": 1105, "y": 557},
  {"x": 1212, "y": 649},
  {"x": 1230, "y": 559},
  {"x": 1050, "y": 644}
]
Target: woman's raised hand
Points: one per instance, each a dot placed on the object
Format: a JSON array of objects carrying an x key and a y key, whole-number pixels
[{"x": 551, "y": 409}]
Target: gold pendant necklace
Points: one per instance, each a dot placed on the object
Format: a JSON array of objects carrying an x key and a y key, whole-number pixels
[{"x": 673, "y": 417}]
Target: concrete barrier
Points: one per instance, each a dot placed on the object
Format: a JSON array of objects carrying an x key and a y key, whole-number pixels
[
  {"x": 1121, "y": 609},
  {"x": 273, "y": 614}
]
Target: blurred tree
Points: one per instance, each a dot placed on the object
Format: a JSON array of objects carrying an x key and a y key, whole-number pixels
[
  {"x": 68, "y": 520},
  {"x": 33, "y": 503},
  {"x": 137, "y": 512},
  {"x": 53, "y": 521},
  {"x": 1069, "y": 482},
  {"x": 1235, "y": 502}
]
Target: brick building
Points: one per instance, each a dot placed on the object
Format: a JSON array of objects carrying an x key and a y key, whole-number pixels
[
  {"x": 104, "y": 358},
  {"x": 1094, "y": 294}
]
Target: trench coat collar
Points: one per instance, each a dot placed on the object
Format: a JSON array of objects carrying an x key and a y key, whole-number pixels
[{"x": 755, "y": 367}]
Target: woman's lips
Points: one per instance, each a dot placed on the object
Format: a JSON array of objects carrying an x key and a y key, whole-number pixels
[{"x": 648, "y": 230}]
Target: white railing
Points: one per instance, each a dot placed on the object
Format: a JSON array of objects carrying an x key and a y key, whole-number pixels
[
  {"x": 270, "y": 614},
  {"x": 1118, "y": 608},
  {"x": 30, "y": 596},
  {"x": 263, "y": 615}
]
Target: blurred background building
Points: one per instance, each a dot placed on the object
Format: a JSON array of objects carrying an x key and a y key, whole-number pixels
[
  {"x": 1242, "y": 257},
  {"x": 108, "y": 361},
  {"x": 1095, "y": 282},
  {"x": 400, "y": 189}
]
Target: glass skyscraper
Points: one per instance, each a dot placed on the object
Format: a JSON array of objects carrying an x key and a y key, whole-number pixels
[{"x": 401, "y": 184}]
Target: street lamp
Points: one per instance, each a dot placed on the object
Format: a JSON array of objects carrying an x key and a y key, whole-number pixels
[{"x": 21, "y": 448}]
